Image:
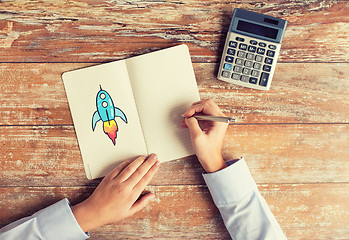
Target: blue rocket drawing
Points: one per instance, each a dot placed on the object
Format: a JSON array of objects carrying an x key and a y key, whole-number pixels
[{"x": 107, "y": 112}]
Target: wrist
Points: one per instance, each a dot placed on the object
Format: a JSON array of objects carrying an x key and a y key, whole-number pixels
[
  {"x": 83, "y": 216},
  {"x": 213, "y": 164}
]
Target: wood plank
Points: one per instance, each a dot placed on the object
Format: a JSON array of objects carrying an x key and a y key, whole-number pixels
[
  {"x": 310, "y": 211},
  {"x": 49, "y": 156},
  {"x": 291, "y": 153},
  {"x": 300, "y": 93},
  {"x": 293, "y": 137},
  {"x": 78, "y": 31},
  {"x": 33, "y": 94}
]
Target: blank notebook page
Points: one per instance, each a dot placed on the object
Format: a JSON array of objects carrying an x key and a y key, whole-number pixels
[{"x": 164, "y": 87}]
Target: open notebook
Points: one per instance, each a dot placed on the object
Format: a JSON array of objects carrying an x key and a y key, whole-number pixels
[{"x": 131, "y": 107}]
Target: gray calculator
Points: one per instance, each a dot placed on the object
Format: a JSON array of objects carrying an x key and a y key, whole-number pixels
[{"x": 251, "y": 49}]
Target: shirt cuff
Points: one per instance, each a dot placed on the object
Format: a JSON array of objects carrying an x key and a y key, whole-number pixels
[
  {"x": 230, "y": 184},
  {"x": 58, "y": 221}
]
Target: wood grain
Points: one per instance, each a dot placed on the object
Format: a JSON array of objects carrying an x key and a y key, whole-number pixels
[
  {"x": 300, "y": 93},
  {"x": 33, "y": 94},
  {"x": 294, "y": 137},
  {"x": 49, "y": 156},
  {"x": 187, "y": 212},
  {"x": 85, "y": 31}
]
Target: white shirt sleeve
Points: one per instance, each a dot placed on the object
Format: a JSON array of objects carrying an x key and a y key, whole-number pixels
[
  {"x": 54, "y": 222},
  {"x": 245, "y": 213}
]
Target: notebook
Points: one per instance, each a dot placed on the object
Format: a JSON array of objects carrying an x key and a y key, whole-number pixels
[{"x": 132, "y": 107}]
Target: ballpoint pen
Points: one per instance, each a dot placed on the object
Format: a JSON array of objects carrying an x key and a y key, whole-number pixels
[{"x": 228, "y": 120}]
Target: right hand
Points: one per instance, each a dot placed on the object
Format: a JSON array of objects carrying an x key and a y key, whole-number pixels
[{"x": 208, "y": 140}]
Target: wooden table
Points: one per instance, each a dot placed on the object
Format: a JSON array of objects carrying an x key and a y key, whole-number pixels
[{"x": 295, "y": 137}]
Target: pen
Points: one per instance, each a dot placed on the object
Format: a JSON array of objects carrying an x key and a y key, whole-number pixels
[{"x": 228, "y": 120}]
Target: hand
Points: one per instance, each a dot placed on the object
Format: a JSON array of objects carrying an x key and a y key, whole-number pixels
[
  {"x": 116, "y": 196},
  {"x": 208, "y": 140}
]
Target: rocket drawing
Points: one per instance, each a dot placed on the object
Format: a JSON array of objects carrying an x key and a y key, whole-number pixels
[{"x": 107, "y": 112}]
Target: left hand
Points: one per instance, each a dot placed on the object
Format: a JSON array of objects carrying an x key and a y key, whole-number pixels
[{"x": 116, "y": 196}]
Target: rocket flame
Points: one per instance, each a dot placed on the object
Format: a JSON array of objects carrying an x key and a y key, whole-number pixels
[{"x": 110, "y": 128}]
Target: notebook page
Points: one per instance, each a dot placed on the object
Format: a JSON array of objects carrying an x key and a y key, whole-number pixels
[
  {"x": 98, "y": 151},
  {"x": 164, "y": 86}
]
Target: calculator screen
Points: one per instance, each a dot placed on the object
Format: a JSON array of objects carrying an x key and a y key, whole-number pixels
[{"x": 257, "y": 29}]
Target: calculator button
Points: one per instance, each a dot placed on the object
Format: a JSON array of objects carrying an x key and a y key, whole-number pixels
[
  {"x": 241, "y": 54},
  {"x": 233, "y": 44},
  {"x": 253, "y": 42},
  {"x": 268, "y": 60},
  {"x": 248, "y": 64},
  {"x": 225, "y": 74},
  {"x": 264, "y": 79},
  {"x": 273, "y": 47},
  {"x": 262, "y": 44},
  {"x": 227, "y": 66},
  {"x": 257, "y": 66},
  {"x": 250, "y": 56},
  {"x": 258, "y": 58},
  {"x": 266, "y": 68},
  {"x": 270, "y": 53},
  {"x": 245, "y": 78},
  {"x": 229, "y": 59},
  {"x": 253, "y": 80},
  {"x": 246, "y": 71},
  {"x": 255, "y": 73},
  {"x": 239, "y": 61},
  {"x": 242, "y": 46},
  {"x": 237, "y": 69},
  {"x": 235, "y": 76},
  {"x": 231, "y": 51},
  {"x": 240, "y": 39},
  {"x": 252, "y": 48},
  {"x": 260, "y": 51}
]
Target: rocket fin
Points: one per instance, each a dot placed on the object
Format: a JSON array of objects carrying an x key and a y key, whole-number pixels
[
  {"x": 95, "y": 119},
  {"x": 119, "y": 113}
]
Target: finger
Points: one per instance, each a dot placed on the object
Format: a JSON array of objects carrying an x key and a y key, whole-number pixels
[
  {"x": 207, "y": 106},
  {"x": 142, "y": 183},
  {"x": 198, "y": 102},
  {"x": 130, "y": 169},
  {"x": 141, "y": 203},
  {"x": 143, "y": 169},
  {"x": 193, "y": 109},
  {"x": 183, "y": 125},
  {"x": 210, "y": 107},
  {"x": 118, "y": 169},
  {"x": 194, "y": 127},
  {"x": 195, "y": 104}
]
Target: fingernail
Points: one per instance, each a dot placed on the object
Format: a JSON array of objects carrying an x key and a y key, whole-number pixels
[
  {"x": 155, "y": 156},
  {"x": 157, "y": 163}
]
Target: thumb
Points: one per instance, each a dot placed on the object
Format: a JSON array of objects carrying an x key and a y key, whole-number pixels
[
  {"x": 193, "y": 126},
  {"x": 141, "y": 203}
]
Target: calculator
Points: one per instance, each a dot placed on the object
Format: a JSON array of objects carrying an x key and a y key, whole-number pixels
[{"x": 251, "y": 49}]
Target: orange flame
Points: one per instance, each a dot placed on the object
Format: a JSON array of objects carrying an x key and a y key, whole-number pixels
[{"x": 110, "y": 128}]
